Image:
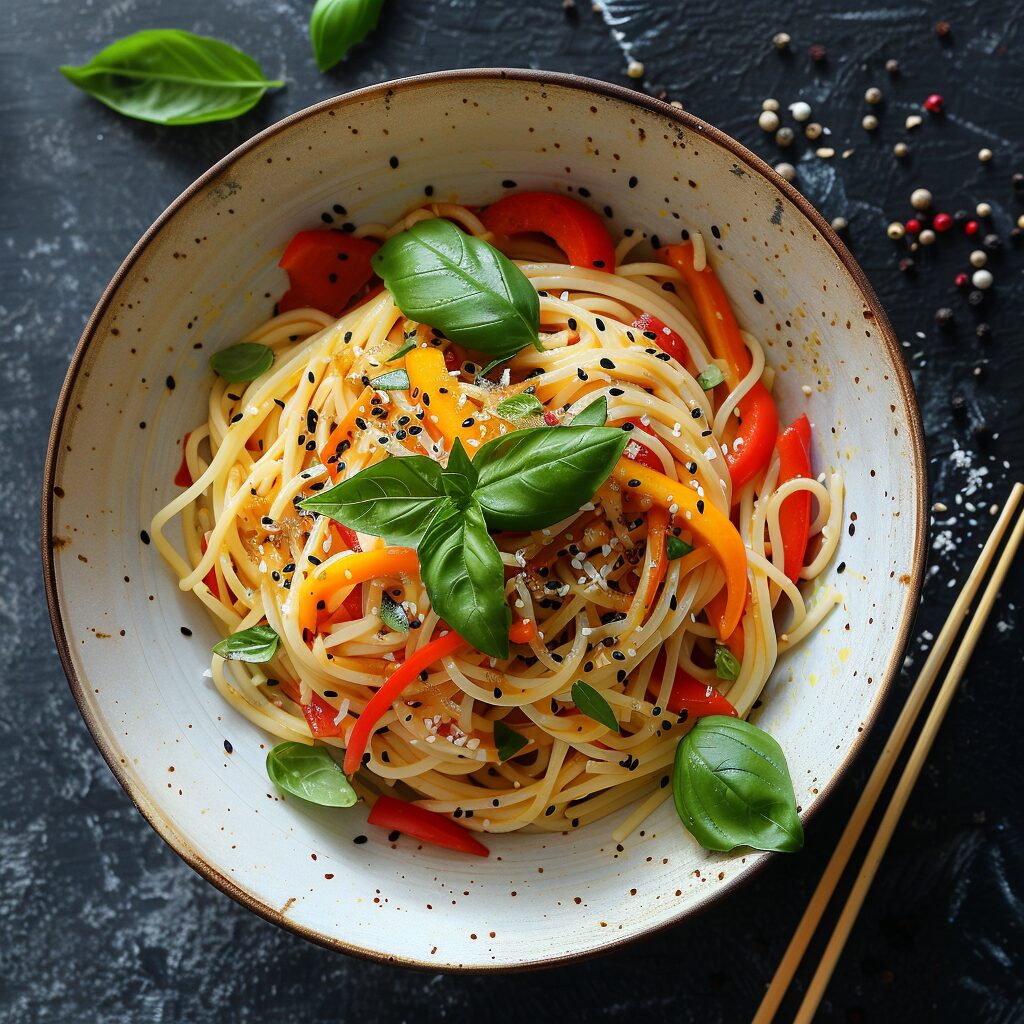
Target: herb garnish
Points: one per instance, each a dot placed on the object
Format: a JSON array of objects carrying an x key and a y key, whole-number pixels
[
  {"x": 246, "y": 361},
  {"x": 507, "y": 741},
  {"x": 710, "y": 377},
  {"x": 676, "y": 548},
  {"x": 255, "y": 645},
  {"x": 594, "y": 705},
  {"x": 335, "y": 26},
  {"x": 310, "y": 773}
]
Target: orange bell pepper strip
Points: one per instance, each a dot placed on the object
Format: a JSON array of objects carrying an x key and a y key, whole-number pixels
[
  {"x": 715, "y": 608},
  {"x": 358, "y": 567},
  {"x": 391, "y": 690},
  {"x": 657, "y": 527},
  {"x": 794, "y": 448},
  {"x": 755, "y": 439},
  {"x": 703, "y": 520},
  {"x": 334, "y": 450}
]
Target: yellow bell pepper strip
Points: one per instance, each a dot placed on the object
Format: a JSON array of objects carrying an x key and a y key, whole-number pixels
[
  {"x": 703, "y": 520},
  {"x": 436, "y": 390},
  {"x": 754, "y": 442},
  {"x": 391, "y": 690},
  {"x": 358, "y": 567},
  {"x": 334, "y": 450}
]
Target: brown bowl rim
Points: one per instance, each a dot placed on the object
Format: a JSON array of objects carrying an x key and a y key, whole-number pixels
[{"x": 136, "y": 793}]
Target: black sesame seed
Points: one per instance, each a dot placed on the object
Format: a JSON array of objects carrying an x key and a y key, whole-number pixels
[
  {"x": 170, "y": 383},
  {"x": 359, "y": 840},
  {"x": 185, "y": 631},
  {"x": 599, "y": 323},
  {"x": 571, "y": 323},
  {"x": 393, "y": 162},
  {"x": 632, "y": 181},
  {"x": 607, "y": 363},
  {"x": 144, "y": 536},
  {"x": 582, "y": 374},
  {"x": 758, "y": 297}
]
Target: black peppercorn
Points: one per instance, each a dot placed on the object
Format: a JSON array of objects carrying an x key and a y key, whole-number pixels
[
  {"x": 818, "y": 53},
  {"x": 958, "y": 404},
  {"x": 977, "y": 297},
  {"x": 983, "y": 331},
  {"x": 1018, "y": 182},
  {"x": 961, "y": 216},
  {"x": 982, "y": 433},
  {"x": 991, "y": 243},
  {"x": 944, "y": 316}
]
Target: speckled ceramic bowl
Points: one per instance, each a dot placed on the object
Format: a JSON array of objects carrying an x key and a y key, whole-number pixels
[{"x": 207, "y": 271}]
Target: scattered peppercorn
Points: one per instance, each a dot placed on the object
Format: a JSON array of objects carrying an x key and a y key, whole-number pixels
[
  {"x": 892, "y": 66},
  {"x": 873, "y": 95},
  {"x": 920, "y": 199},
  {"x": 991, "y": 243},
  {"x": 901, "y": 149},
  {"x": 976, "y": 297},
  {"x": 943, "y": 29},
  {"x": 907, "y": 265},
  {"x": 942, "y": 222},
  {"x": 983, "y": 331},
  {"x": 961, "y": 280},
  {"x": 781, "y": 41},
  {"x": 934, "y": 104},
  {"x": 818, "y": 53},
  {"x": 944, "y": 316},
  {"x": 972, "y": 227}
]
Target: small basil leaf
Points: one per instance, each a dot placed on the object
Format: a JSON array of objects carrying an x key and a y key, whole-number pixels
[
  {"x": 403, "y": 351},
  {"x": 246, "y": 361},
  {"x": 491, "y": 365},
  {"x": 519, "y": 406},
  {"x": 711, "y": 377},
  {"x": 392, "y": 614},
  {"x": 533, "y": 478},
  {"x": 676, "y": 548},
  {"x": 394, "y": 499},
  {"x": 393, "y": 380},
  {"x": 732, "y": 787},
  {"x": 459, "y": 477},
  {"x": 593, "y": 705},
  {"x": 168, "y": 76},
  {"x": 459, "y": 284},
  {"x": 727, "y": 665},
  {"x": 255, "y": 645},
  {"x": 507, "y": 741},
  {"x": 309, "y": 773},
  {"x": 462, "y": 571},
  {"x": 335, "y": 26},
  {"x": 594, "y": 415}
]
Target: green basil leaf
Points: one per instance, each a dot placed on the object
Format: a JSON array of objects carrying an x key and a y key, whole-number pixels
[
  {"x": 491, "y": 365},
  {"x": 593, "y": 705},
  {"x": 519, "y": 406},
  {"x": 255, "y": 645},
  {"x": 463, "y": 573},
  {"x": 392, "y": 614},
  {"x": 393, "y": 380},
  {"x": 242, "y": 362},
  {"x": 507, "y": 741},
  {"x": 594, "y": 415},
  {"x": 309, "y": 773},
  {"x": 732, "y": 787},
  {"x": 394, "y": 499},
  {"x": 676, "y": 548},
  {"x": 403, "y": 351},
  {"x": 710, "y": 377},
  {"x": 335, "y": 26},
  {"x": 447, "y": 279},
  {"x": 168, "y": 76},
  {"x": 536, "y": 477},
  {"x": 459, "y": 476},
  {"x": 727, "y": 665}
]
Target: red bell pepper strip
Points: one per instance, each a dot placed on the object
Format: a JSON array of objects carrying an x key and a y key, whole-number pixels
[
  {"x": 696, "y": 698},
  {"x": 210, "y": 579},
  {"x": 427, "y": 826},
  {"x": 794, "y": 448},
  {"x": 636, "y": 451},
  {"x": 665, "y": 338},
  {"x": 575, "y": 229},
  {"x": 754, "y": 442},
  {"x": 318, "y": 713},
  {"x": 326, "y": 270},
  {"x": 183, "y": 478},
  {"x": 390, "y": 691}
]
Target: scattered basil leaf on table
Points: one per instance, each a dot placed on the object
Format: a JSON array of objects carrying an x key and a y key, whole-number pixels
[
  {"x": 403, "y": 351},
  {"x": 171, "y": 77},
  {"x": 519, "y": 406},
  {"x": 593, "y": 705},
  {"x": 459, "y": 476},
  {"x": 392, "y": 614},
  {"x": 710, "y": 377},
  {"x": 335, "y": 26},
  {"x": 475, "y": 295},
  {"x": 676, "y": 548},
  {"x": 393, "y": 380},
  {"x": 594, "y": 415},
  {"x": 255, "y": 645},
  {"x": 310, "y": 773},
  {"x": 727, "y": 665},
  {"x": 507, "y": 741},
  {"x": 732, "y": 787},
  {"x": 246, "y": 361}
]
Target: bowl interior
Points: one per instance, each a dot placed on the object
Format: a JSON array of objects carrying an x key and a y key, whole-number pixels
[{"x": 207, "y": 273}]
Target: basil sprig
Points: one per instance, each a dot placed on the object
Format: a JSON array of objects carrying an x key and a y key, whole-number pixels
[
  {"x": 507, "y": 741},
  {"x": 732, "y": 787},
  {"x": 254, "y": 645},
  {"x": 526, "y": 480},
  {"x": 310, "y": 773},
  {"x": 246, "y": 361},
  {"x": 335, "y": 26},
  {"x": 444, "y": 278},
  {"x": 171, "y": 77},
  {"x": 594, "y": 705}
]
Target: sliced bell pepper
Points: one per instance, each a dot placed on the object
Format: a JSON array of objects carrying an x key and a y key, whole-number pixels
[
  {"x": 794, "y": 448},
  {"x": 427, "y": 826},
  {"x": 696, "y": 698},
  {"x": 434, "y": 388},
  {"x": 326, "y": 269},
  {"x": 334, "y": 450},
  {"x": 636, "y": 451},
  {"x": 522, "y": 631},
  {"x": 657, "y": 527},
  {"x": 715, "y": 608},
  {"x": 391, "y": 689},
  {"x": 318, "y": 713},
  {"x": 575, "y": 229},
  {"x": 183, "y": 478},
  {"x": 347, "y": 536},
  {"x": 665, "y": 338},
  {"x": 754, "y": 442}
]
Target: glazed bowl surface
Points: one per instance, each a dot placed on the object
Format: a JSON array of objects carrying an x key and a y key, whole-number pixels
[{"x": 206, "y": 273}]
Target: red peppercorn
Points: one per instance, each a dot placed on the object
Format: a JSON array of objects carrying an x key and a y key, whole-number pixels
[
  {"x": 961, "y": 280},
  {"x": 551, "y": 419},
  {"x": 972, "y": 227},
  {"x": 942, "y": 222},
  {"x": 913, "y": 226},
  {"x": 933, "y": 104}
]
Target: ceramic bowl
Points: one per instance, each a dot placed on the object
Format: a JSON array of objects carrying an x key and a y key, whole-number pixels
[{"x": 206, "y": 272}]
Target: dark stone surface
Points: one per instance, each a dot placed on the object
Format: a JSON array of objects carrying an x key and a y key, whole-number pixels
[{"x": 101, "y": 922}]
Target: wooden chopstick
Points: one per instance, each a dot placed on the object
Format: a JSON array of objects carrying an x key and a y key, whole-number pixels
[{"x": 883, "y": 768}]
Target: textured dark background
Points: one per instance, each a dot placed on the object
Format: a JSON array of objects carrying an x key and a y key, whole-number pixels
[{"x": 99, "y": 921}]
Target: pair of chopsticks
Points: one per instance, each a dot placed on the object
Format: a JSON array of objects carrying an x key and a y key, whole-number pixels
[{"x": 880, "y": 775}]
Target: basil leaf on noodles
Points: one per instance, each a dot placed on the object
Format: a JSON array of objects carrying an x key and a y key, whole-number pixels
[
  {"x": 533, "y": 478},
  {"x": 676, "y": 548},
  {"x": 593, "y": 705},
  {"x": 392, "y": 614},
  {"x": 402, "y": 352},
  {"x": 594, "y": 415},
  {"x": 732, "y": 787},
  {"x": 335, "y": 26},
  {"x": 507, "y": 741},
  {"x": 393, "y": 380},
  {"x": 464, "y": 576},
  {"x": 711, "y": 376},
  {"x": 727, "y": 665},
  {"x": 459, "y": 476},
  {"x": 254, "y": 645},
  {"x": 246, "y": 361},
  {"x": 444, "y": 278},
  {"x": 171, "y": 77},
  {"x": 395, "y": 499},
  {"x": 311, "y": 774},
  {"x": 517, "y": 407}
]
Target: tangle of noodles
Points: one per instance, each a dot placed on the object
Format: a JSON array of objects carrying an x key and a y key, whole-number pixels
[{"x": 248, "y": 550}]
